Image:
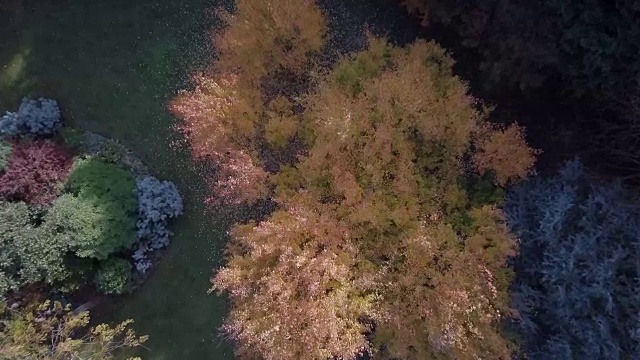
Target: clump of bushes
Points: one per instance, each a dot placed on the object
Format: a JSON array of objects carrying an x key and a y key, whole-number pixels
[
  {"x": 113, "y": 276},
  {"x": 33, "y": 168},
  {"x": 34, "y": 118},
  {"x": 74, "y": 211},
  {"x": 578, "y": 273}
]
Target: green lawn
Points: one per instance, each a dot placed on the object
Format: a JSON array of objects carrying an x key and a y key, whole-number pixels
[{"x": 112, "y": 65}]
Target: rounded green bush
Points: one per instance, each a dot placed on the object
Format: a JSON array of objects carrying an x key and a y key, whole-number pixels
[
  {"x": 94, "y": 178},
  {"x": 113, "y": 276},
  {"x": 28, "y": 254},
  {"x": 98, "y": 217}
]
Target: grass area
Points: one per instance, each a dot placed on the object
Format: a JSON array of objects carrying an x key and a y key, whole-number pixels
[{"x": 112, "y": 65}]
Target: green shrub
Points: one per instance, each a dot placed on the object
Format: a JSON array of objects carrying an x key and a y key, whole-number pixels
[
  {"x": 12, "y": 218},
  {"x": 93, "y": 178},
  {"x": 73, "y": 137},
  {"x": 112, "y": 153},
  {"x": 92, "y": 229},
  {"x": 113, "y": 276},
  {"x": 28, "y": 254},
  {"x": 5, "y": 153},
  {"x": 98, "y": 218}
]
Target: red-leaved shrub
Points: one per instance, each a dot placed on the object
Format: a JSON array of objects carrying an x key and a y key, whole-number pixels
[{"x": 35, "y": 169}]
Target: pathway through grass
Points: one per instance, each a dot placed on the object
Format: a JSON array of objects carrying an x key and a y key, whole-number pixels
[{"x": 112, "y": 65}]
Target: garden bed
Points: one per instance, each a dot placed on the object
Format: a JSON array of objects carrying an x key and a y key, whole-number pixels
[{"x": 79, "y": 212}]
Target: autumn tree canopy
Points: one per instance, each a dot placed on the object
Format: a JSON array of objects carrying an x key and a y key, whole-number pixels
[
  {"x": 241, "y": 110},
  {"x": 387, "y": 239},
  {"x": 377, "y": 222}
]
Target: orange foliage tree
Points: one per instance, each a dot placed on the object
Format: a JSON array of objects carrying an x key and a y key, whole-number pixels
[
  {"x": 387, "y": 240},
  {"x": 294, "y": 293},
  {"x": 386, "y": 172},
  {"x": 240, "y": 111}
]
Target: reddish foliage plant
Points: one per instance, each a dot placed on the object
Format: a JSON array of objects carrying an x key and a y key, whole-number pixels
[
  {"x": 239, "y": 180},
  {"x": 35, "y": 169},
  {"x": 210, "y": 116}
]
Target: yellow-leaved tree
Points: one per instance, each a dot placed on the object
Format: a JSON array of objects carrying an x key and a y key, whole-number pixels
[{"x": 51, "y": 331}]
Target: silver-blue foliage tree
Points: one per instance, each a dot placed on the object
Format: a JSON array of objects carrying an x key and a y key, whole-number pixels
[{"x": 577, "y": 287}]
